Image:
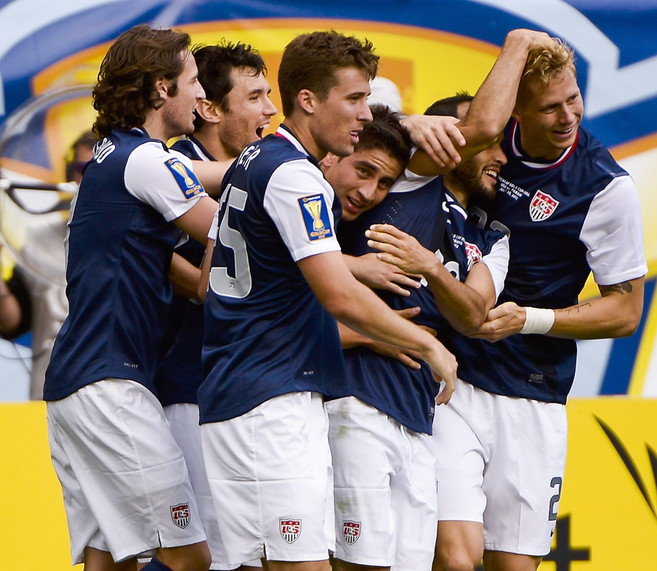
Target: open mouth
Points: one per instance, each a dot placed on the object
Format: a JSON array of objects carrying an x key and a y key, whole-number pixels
[
  {"x": 353, "y": 205},
  {"x": 491, "y": 173},
  {"x": 260, "y": 131}
]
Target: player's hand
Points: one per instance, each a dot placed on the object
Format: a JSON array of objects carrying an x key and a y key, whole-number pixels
[
  {"x": 532, "y": 38},
  {"x": 377, "y": 274},
  {"x": 405, "y": 356},
  {"x": 504, "y": 320},
  {"x": 400, "y": 249},
  {"x": 443, "y": 366},
  {"x": 438, "y": 136}
]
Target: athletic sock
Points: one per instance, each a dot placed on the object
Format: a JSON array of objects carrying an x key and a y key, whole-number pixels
[{"x": 156, "y": 565}]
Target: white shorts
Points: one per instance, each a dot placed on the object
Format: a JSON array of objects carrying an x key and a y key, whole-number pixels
[
  {"x": 271, "y": 480},
  {"x": 183, "y": 421},
  {"x": 385, "y": 489},
  {"x": 500, "y": 462},
  {"x": 124, "y": 479}
]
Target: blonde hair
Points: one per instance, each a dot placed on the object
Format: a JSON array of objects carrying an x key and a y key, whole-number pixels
[{"x": 544, "y": 63}]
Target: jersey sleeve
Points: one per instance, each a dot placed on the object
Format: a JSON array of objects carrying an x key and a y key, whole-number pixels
[
  {"x": 162, "y": 179},
  {"x": 497, "y": 261},
  {"x": 613, "y": 236},
  {"x": 214, "y": 227},
  {"x": 298, "y": 199}
]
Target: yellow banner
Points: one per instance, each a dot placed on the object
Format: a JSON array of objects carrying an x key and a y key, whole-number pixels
[{"x": 607, "y": 516}]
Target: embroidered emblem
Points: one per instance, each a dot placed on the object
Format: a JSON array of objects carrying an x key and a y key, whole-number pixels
[
  {"x": 473, "y": 254},
  {"x": 180, "y": 515},
  {"x": 290, "y": 529},
  {"x": 316, "y": 217},
  {"x": 185, "y": 178},
  {"x": 351, "y": 531},
  {"x": 542, "y": 206}
]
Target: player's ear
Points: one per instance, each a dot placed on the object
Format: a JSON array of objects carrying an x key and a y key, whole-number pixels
[
  {"x": 329, "y": 160},
  {"x": 208, "y": 111},
  {"x": 307, "y": 101},
  {"x": 162, "y": 87}
]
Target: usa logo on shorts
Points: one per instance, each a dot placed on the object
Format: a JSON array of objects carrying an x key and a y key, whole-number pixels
[
  {"x": 180, "y": 515},
  {"x": 542, "y": 206},
  {"x": 290, "y": 529},
  {"x": 350, "y": 531}
]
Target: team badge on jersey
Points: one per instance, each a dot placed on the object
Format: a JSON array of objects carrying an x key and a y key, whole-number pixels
[
  {"x": 185, "y": 178},
  {"x": 542, "y": 206},
  {"x": 473, "y": 254},
  {"x": 290, "y": 529},
  {"x": 180, "y": 515},
  {"x": 316, "y": 217},
  {"x": 350, "y": 531}
]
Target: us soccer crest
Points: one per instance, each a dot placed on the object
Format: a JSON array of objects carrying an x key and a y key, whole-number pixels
[
  {"x": 180, "y": 515},
  {"x": 542, "y": 206},
  {"x": 290, "y": 529},
  {"x": 473, "y": 254},
  {"x": 351, "y": 531}
]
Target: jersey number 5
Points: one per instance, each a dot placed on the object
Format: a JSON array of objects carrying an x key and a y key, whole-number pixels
[{"x": 221, "y": 282}]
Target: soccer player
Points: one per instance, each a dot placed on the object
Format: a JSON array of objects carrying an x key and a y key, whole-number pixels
[
  {"x": 386, "y": 513},
  {"x": 124, "y": 478},
  {"x": 570, "y": 209},
  {"x": 276, "y": 279},
  {"x": 235, "y": 111}
]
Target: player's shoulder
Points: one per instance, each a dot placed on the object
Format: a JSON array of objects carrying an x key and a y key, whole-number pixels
[{"x": 596, "y": 157}]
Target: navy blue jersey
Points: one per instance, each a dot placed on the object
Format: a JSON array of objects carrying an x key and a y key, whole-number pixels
[
  {"x": 265, "y": 332},
  {"x": 431, "y": 214},
  {"x": 565, "y": 217},
  {"x": 119, "y": 252},
  {"x": 180, "y": 372}
]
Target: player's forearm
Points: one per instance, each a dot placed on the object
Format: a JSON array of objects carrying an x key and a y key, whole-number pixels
[
  {"x": 616, "y": 314},
  {"x": 184, "y": 277},
  {"x": 493, "y": 103},
  {"x": 463, "y": 307},
  {"x": 350, "y": 338}
]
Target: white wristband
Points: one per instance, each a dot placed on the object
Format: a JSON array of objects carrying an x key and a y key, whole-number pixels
[{"x": 538, "y": 320}]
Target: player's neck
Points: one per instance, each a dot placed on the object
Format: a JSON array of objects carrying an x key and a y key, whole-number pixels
[
  {"x": 211, "y": 143},
  {"x": 457, "y": 191},
  {"x": 300, "y": 127}
]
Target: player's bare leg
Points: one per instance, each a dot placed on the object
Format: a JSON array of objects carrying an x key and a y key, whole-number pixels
[
  {"x": 194, "y": 557},
  {"x": 97, "y": 560},
  {"x": 299, "y": 565},
  {"x": 339, "y": 565},
  {"x": 459, "y": 546},
  {"x": 502, "y": 561}
]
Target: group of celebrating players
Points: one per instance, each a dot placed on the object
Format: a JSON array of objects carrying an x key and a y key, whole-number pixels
[{"x": 229, "y": 392}]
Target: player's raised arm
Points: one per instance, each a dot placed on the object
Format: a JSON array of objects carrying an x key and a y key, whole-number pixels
[{"x": 490, "y": 109}]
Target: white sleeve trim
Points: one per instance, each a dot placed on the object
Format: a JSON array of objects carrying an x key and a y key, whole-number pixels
[
  {"x": 613, "y": 235},
  {"x": 497, "y": 261},
  {"x": 290, "y": 182},
  {"x": 148, "y": 179}
]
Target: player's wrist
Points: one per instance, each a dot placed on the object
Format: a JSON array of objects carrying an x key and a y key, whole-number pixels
[{"x": 537, "y": 320}]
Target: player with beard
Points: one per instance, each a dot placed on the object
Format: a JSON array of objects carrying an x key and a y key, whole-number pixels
[
  {"x": 570, "y": 210},
  {"x": 389, "y": 415},
  {"x": 277, "y": 281},
  {"x": 236, "y": 111}
]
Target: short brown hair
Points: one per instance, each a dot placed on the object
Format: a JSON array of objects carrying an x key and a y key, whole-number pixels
[
  {"x": 125, "y": 89},
  {"x": 310, "y": 61}
]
